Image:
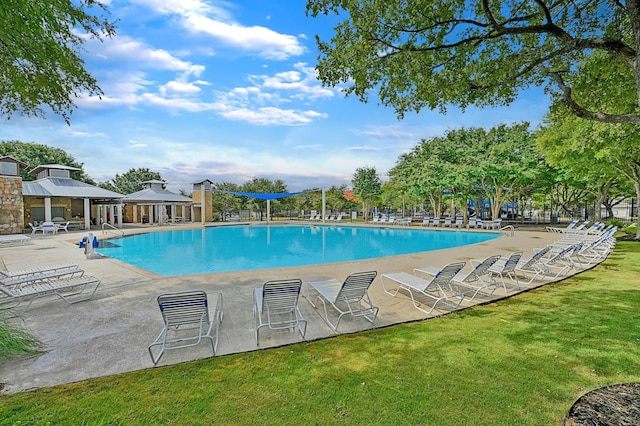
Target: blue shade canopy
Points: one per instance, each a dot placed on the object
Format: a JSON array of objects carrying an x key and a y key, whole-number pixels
[{"x": 262, "y": 196}]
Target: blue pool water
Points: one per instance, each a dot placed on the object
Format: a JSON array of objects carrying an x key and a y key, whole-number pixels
[{"x": 233, "y": 248}]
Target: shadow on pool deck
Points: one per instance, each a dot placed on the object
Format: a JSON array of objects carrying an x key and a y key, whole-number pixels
[{"x": 110, "y": 333}]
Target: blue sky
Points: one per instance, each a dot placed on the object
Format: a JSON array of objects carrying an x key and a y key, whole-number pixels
[{"x": 227, "y": 91}]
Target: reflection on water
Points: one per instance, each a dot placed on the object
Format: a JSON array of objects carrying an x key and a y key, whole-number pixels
[{"x": 232, "y": 248}]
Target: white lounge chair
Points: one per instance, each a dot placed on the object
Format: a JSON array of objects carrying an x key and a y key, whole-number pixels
[
  {"x": 447, "y": 222},
  {"x": 532, "y": 268},
  {"x": 275, "y": 305},
  {"x": 426, "y": 221},
  {"x": 350, "y": 297},
  {"x": 459, "y": 222},
  {"x": 67, "y": 289},
  {"x": 479, "y": 280},
  {"x": 5, "y": 273},
  {"x": 507, "y": 268},
  {"x": 433, "y": 290},
  {"x": 435, "y": 221},
  {"x": 14, "y": 240},
  {"x": 29, "y": 277},
  {"x": 406, "y": 221},
  {"x": 187, "y": 320}
]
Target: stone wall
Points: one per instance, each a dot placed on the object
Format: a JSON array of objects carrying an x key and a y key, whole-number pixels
[{"x": 12, "y": 205}]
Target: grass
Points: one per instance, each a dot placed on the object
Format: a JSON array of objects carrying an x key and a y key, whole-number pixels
[
  {"x": 520, "y": 361},
  {"x": 15, "y": 341}
]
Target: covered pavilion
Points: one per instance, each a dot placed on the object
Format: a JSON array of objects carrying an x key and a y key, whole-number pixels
[
  {"x": 154, "y": 204},
  {"x": 55, "y": 195}
]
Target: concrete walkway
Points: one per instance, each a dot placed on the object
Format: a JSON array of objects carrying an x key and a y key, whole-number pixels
[{"x": 110, "y": 333}]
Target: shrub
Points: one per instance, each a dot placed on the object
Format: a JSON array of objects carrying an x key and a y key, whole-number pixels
[{"x": 15, "y": 341}]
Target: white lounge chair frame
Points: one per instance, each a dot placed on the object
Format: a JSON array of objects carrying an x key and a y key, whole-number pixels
[
  {"x": 350, "y": 297},
  {"x": 14, "y": 240},
  {"x": 5, "y": 273},
  {"x": 433, "y": 289},
  {"x": 275, "y": 305},
  {"x": 507, "y": 269},
  {"x": 474, "y": 281},
  {"x": 187, "y": 320},
  {"x": 65, "y": 288}
]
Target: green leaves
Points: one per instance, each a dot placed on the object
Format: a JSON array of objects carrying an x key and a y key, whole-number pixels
[
  {"x": 472, "y": 162},
  {"x": 432, "y": 54},
  {"x": 40, "y": 44},
  {"x": 131, "y": 181}
]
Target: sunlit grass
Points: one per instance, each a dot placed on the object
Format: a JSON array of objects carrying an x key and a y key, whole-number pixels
[{"x": 521, "y": 361}]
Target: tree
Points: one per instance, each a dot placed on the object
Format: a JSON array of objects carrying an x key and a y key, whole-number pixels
[
  {"x": 594, "y": 145},
  {"x": 40, "y": 44},
  {"x": 609, "y": 149},
  {"x": 432, "y": 54},
  {"x": 131, "y": 181},
  {"x": 367, "y": 186},
  {"x": 225, "y": 202},
  {"x": 35, "y": 154},
  {"x": 471, "y": 164},
  {"x": 263, "y": 186}
]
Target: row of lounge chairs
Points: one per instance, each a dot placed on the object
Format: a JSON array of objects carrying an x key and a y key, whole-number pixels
[
  {"x": 330, "y": 218},
  {"x": 449, "y": 285},
  {"x": 581, "y": 228},
  {"x": 66, "y": 281},
  {"x": 275, "y": 304},
  {"x": 458, "y": 222}
]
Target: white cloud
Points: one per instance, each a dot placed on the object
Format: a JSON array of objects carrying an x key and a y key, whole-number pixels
[
  {"x": 217, "y": 22},
  {"x": 363, "y": 148},
  {"x": 384, "y": 132},
  {"x": 271, "y": 115},
  {"x": 302, "y": 82},
  {"x": 79, "y": 134}
]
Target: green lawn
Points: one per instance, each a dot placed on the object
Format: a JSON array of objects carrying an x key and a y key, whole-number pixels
[{"x": 521, "y": 361}]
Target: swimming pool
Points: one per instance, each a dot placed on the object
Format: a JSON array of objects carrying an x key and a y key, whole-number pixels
[{"x": 245, "y": 247}]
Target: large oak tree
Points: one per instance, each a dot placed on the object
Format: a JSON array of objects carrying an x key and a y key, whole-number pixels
[
  {"x": 40, "y": 47},
  {"x": 432, "y": 54}
]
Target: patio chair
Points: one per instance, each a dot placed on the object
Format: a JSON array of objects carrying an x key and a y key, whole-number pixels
[
  {"x": 474, "y": 281},
  {"x": 507, "y": 268},
  {"x": 65, "y": 288},
  {"x": 35, "y": 228},
  {"x": 61, "y": 227},
  {"x": 459, "y": 222},
  {"x": 433, "y": 289},
  {"x": 425, "y": 221},
  {"x": 187, "y": 320},
  {"x": 435, "y": 221},
  {"x": 275, "y": 305},
  {"x": 350, "y": 297}
]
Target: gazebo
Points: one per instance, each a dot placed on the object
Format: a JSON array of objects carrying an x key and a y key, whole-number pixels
[
  {"x": 154, "y": 204},
  {"x": 55, "y": 196}
]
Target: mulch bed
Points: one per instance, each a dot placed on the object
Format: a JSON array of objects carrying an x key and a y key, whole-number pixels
[{"x": 615, "y": 405}]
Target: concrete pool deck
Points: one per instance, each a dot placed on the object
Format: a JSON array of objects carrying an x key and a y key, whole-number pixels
[{"x": 110, "y": 333}]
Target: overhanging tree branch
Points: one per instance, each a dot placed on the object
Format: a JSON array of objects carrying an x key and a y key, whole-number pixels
[{"x": 582, "y": 112}]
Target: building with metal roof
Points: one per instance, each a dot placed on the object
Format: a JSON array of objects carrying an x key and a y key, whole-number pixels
[{"x": 154, "y": 204}]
